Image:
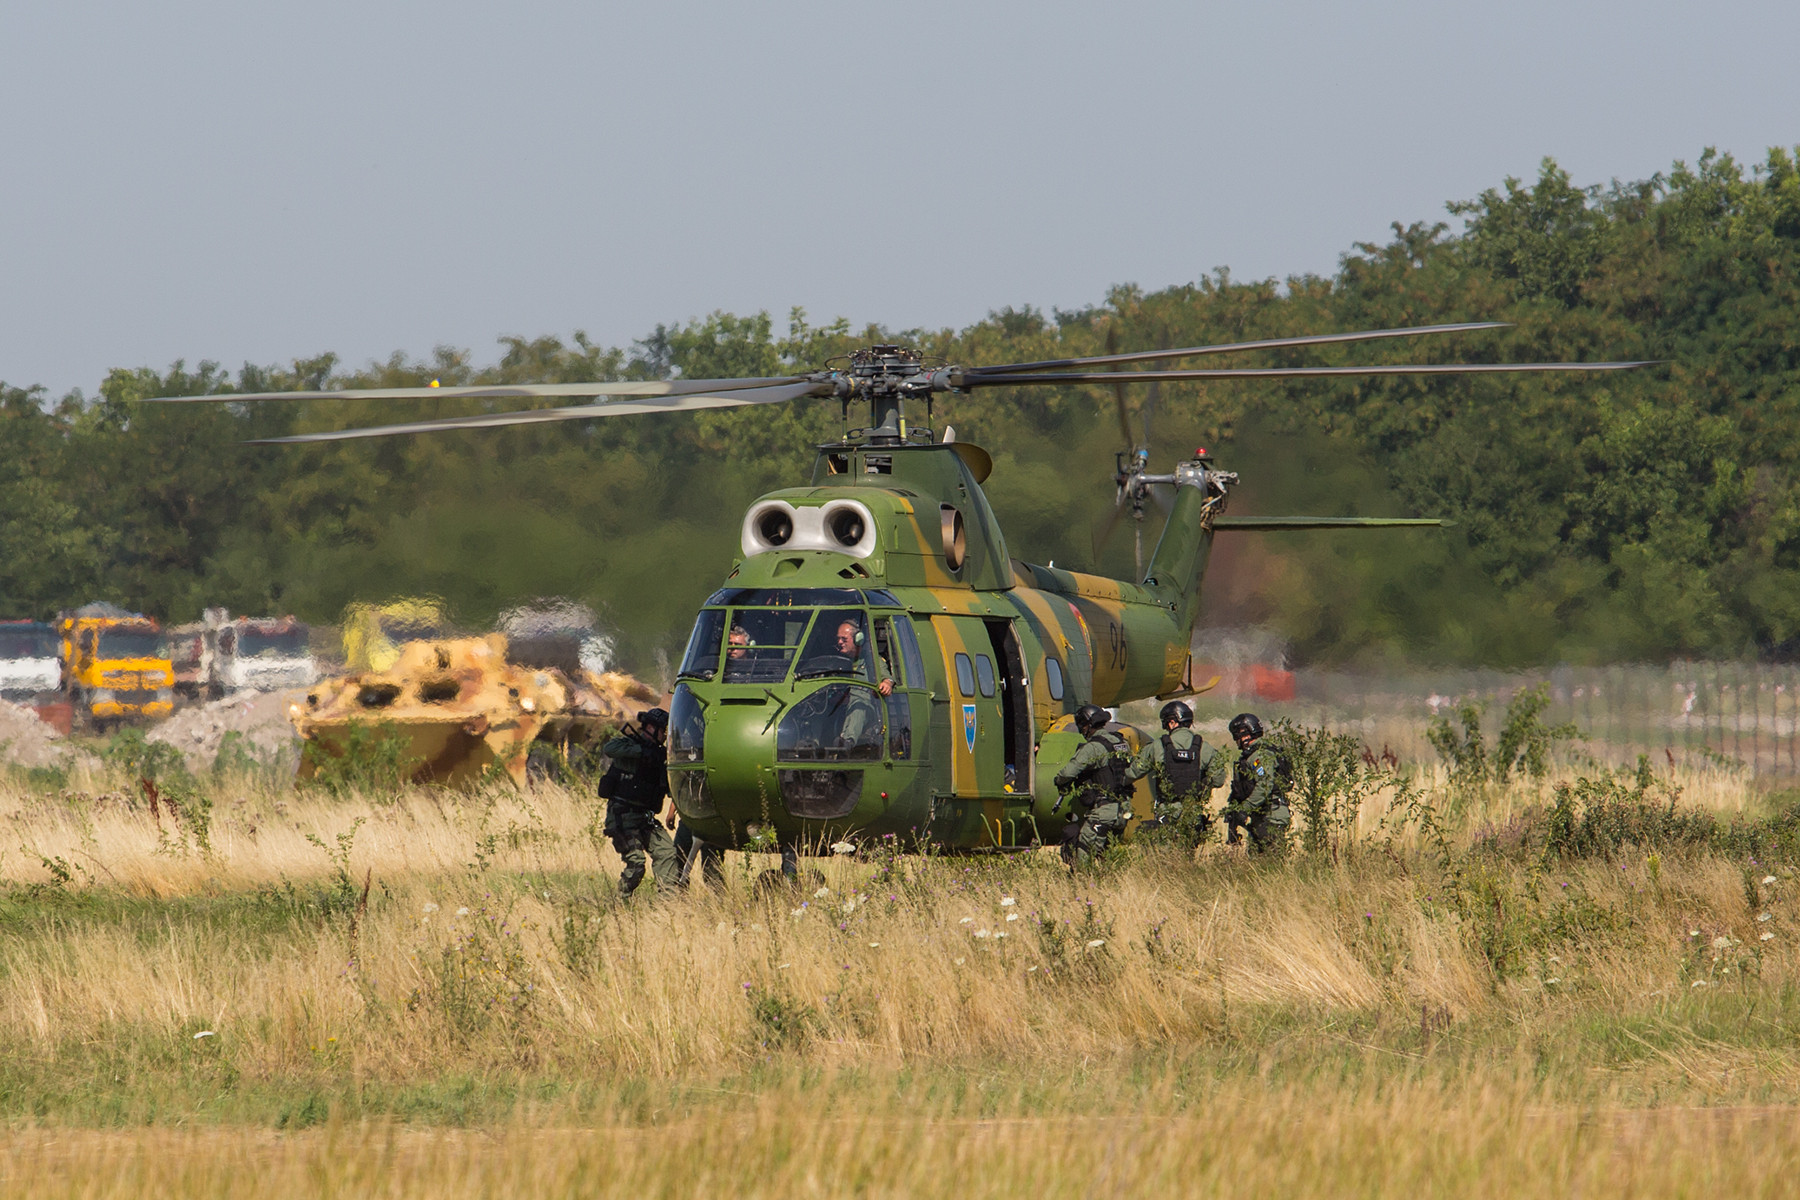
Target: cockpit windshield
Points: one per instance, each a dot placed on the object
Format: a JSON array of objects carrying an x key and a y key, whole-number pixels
[{"x": 762, "y": 644}]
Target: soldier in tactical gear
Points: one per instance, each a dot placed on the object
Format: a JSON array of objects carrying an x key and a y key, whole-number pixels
[
  {"x": 1095, "y": 783},
  {"x": 1258, "y": 790},
  {"x": 634, "y": 788},
  {"x": 1183, "y": 772}
]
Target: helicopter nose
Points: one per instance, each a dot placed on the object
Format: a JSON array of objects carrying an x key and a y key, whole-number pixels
[{"x": 740, "y": 758}]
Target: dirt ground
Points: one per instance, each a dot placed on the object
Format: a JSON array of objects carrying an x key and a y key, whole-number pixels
[
  {"x": 261, "y": 717},
  {"x": 26, "y": 741}
]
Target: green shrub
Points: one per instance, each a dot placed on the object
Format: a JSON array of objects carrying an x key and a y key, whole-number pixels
[{"x": 373, "y": 759}]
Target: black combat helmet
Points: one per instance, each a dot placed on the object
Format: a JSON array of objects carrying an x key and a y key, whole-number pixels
[
  {"x": 655, "y": 716},
  {"x": 1178, "y": 712},
  {"x": 1245, "y": 727},
  {"x": 1091, "y": 716}
]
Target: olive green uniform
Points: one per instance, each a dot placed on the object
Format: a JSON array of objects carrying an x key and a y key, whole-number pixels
[
  {"x": 1258, "y": 802},
  {"x": 639, "y": 779},
  {"x": 1094, "y": 782},
  {"x": 862, "y": 716},
  {"x": 1173, "y": 804}
]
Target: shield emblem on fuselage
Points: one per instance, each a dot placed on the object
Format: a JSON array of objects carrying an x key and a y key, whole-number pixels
[{"x": 969, "y": 726}]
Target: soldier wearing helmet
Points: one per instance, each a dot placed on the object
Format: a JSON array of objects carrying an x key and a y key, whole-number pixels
[
  {"x": 1095, "y": 785},
  {"x": 635, "y": 787},
  {"x": 1258, "y": 789},
  {"x": 1183, "y": 772}
]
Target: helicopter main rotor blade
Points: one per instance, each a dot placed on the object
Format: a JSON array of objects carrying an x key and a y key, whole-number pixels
[
  {"x": 1285, "y": 524},
  {"x": 974, "y": 381},
  {"x": 1324, "y": 339},
  {"x": 723, "y": 398},
  {"x": 501, "y": 391}
]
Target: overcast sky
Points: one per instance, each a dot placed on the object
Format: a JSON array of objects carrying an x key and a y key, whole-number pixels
[{"x": 250, "y": 181}]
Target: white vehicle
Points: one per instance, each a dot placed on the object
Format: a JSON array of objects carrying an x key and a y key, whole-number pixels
[
  {"x": 251, "y": 654},
  {"x": 30, "y": 662}
]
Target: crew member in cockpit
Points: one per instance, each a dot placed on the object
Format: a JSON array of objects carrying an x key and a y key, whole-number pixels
[
  {"x": 849, "y": 644},
  {"x": 862, "y": 720}
]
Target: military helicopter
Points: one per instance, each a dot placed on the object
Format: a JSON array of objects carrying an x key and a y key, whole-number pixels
[{"x": 876, "y": 661}]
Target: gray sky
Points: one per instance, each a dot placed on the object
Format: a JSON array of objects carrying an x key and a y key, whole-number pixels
[{"x": 237, "y": 180}]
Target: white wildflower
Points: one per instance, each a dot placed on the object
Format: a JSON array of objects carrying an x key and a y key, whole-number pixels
[
  {"x": 1721, "y": 942},
  {"x": 821, "y": 893},
  {"x": 1007, "y": 902},
  {"x": 1693, "y": 933},
  {"x": 1768, "y": 879},
  {"x": 1765, "y": 936},
  {"x": 1549, "y": 982},
  {"x": 1000, "y": 933},
  {"x": 874, "y": 945},
  {"x": 1699, "y": 983},
  {"x": 982, "y": 933},
  {"x": 429, "y": 907},
  {"x": 799, "y": 912},
  {"x": 966, "y": 921},
  {"x": 843, "y": 847},
  {"x": 204, "y": 1033},
  {"x": 850, "y": 906},
  {"x": 960, "y": 961},
  {"x": 463, "y": 911},
  {"x": 1096, "y": 943},
  {"x": 1012, "y": 916},
  {"x": 1764, "y": 917}
]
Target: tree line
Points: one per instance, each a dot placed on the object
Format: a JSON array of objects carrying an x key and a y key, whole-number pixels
[{"x": 1642, "y": 515}]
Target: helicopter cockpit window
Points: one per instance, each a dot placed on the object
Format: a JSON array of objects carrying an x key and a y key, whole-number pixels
[
  {"x": 884, "y": 651},
  {"x": 984, "y": 669},
  {"x": 839, "y": 722},
  {"x": 899, "y": 713},
  {"x": 908, "y": 642},
  {"x": 840, "y": 645},
  {"x": 702, "y": 658},
  {"x": 761, "y": 643},
  {"x": 1053, "y": 678},
  {"x": 687, "y": 727}
]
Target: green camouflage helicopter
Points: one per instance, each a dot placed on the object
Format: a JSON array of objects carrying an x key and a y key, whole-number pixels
[{"x": 876, "y": 661}]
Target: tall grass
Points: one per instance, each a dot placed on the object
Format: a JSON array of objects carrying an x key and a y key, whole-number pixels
[{"x": 1486, "y": 999}]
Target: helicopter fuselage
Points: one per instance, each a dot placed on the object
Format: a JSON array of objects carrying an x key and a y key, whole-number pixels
[{"x": 876, "y": 663}]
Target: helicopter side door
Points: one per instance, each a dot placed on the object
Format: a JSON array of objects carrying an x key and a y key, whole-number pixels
[{"x": 974, "y": 717}]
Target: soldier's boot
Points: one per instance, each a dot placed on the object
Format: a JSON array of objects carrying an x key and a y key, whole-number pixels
[
  {"x": 1071, "y": 834},
  {"x": 631, "y": 849}
]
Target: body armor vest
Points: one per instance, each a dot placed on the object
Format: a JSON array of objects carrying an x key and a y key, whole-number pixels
[
  {"x": 1181, "y": 768},
  {"x": 641, "y": 782},
  {"x": 1108, "y": 775}
]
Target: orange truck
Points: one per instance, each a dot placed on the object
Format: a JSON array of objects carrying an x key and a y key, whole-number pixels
[{"x": 115, "y": 667}]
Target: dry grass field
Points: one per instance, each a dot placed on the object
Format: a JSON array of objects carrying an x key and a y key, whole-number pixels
[{"x": 1480, "y": 992}]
